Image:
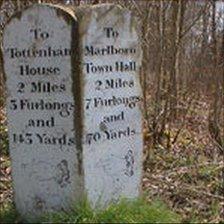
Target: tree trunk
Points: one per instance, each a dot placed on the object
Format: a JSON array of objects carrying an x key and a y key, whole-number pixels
[
  {"x": 179, "y": 30},
  {"x": 173, "y": 57},
  {"x": 215, "y": 107}
]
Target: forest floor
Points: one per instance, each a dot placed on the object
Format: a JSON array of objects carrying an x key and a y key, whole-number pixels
[{"x": 188, "y": 176}]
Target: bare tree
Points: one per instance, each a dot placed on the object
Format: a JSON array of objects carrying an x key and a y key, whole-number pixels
[{"x": 215, "y": 107}]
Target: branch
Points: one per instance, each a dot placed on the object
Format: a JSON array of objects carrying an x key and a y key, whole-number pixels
[{"x": 195, "y": 20}]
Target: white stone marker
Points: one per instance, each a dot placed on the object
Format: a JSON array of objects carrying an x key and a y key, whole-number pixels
[
  {"x": 112, "y": 133},
  {"x": 42, "y": 93}
]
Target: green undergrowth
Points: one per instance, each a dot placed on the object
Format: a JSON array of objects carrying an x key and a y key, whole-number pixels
[
  {"x": 125, "y": 211},
  {"x": 8, "y": 214},
  {"x": 4, "y": 142}
]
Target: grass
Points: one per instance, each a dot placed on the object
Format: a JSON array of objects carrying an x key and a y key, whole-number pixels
[
  {"x": 8, "y": 213},
  {"x": 125, "y": 211}
]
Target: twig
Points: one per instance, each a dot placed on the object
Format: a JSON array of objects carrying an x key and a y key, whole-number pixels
[{"x": 187, "y": 188}]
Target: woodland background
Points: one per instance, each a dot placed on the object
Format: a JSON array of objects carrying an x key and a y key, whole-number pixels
[{"x": 183, "y": 81}]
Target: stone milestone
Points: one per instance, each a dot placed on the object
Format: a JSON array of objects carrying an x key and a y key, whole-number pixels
[
  {"x": 42, "y": 95},
  {"x": 112, "y": 119}
]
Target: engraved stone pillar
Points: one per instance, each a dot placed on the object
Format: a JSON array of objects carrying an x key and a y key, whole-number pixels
[
  {"x": 39, "y": 47},
  {"x": 112, "y": 120}
]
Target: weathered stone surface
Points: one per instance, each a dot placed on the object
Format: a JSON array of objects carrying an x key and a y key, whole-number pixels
[
  {"x": 112, "y": 132},
  {"x": 42, "y": 98}
]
